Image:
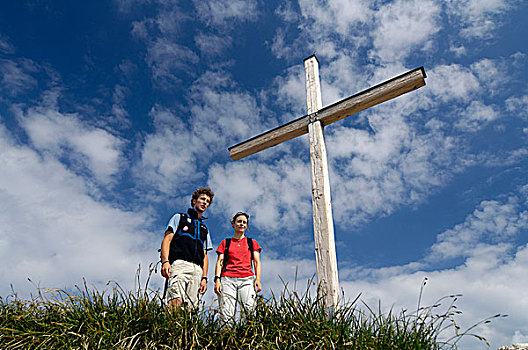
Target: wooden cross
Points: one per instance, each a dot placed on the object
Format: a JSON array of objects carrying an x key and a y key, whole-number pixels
[{"x": 313, "y": 123}]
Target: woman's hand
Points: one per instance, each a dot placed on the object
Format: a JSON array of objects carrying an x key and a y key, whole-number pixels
[
  {"x": 218, "y": 287},
  {"x": 258, "y": 286}
]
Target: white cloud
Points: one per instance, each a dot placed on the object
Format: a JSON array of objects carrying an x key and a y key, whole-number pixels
[
  {"x": 167, "y": 156},
  {"x": 140, "y": 29},
  {"x": 277, "y": 195},
  {"x": 226, "y": 12},
  {"x": 342, "y": 77},
  {"x": 398, "y": 162},
  {"x": 492, "y": 74},
  {"x": 290, "y": 91},
  {"x": 168, "y": 60},
  {"x": 118, "y": 109},
  {"x": 318, "y": 24},
  {"x": 518, "y": 59},
  {"x": 220, "y": 115},
  {"x": 52, "y": 131},
  {"x": 339, "y": 15},
  {"x": 16, "y": 76},
  {"x": 166, "y": 55},
  {"x": 458, "y": 50},
  {"x": 471, "y": 87},
  {"x": 491, "y": 222},
  {"x": 221, "y": 112},
  {"x": 476, "y": 116},
  {"x": 376, "y": 172},
  {"x": 5, "y": 45},
  {"x": 404, "y": 26},
  {"x": 286, "y": 12},
  {"x": 518, "y": 105},
  {"x": 128, "y": 5},
  {"x": 211, "y": 44},
  {"x": 294, "y": 273},
  {"x": 52, "y": 232},
  {"x": 279, "y": 45},
  {"x": 166, "y": 23},
  {"x": 519, "y": 337},
  {"x": 451, "y": 83},
  {"x": 478, "y": 18}
]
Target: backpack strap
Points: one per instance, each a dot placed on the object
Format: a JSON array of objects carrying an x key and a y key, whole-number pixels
[
  {"x": 183, "y": 219},
  {"x": 226, "y": 253},
  {"x": 226, "y": 250},
  {"x": 250, "y": 245},
  {"x": 181, "y": 223}
]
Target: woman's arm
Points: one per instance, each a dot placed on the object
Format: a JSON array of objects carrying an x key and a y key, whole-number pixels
[
  {"x": 258, "y": 270},
  {"x": 218, "y": 272}
]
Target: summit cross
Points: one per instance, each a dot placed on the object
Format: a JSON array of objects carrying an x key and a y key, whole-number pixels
[{"x": 313, "y": 123}]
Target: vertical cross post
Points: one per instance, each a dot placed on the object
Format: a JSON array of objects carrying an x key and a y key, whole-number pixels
[
  {"x": 313, "y": 123},
  {"x": 325, "y": 253}
]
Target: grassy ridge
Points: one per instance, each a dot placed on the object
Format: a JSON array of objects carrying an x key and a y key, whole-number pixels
[{"x": 90, "y": 319}]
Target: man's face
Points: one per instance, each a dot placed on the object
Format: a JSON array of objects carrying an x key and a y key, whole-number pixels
[{"x": 202, "y": 203}]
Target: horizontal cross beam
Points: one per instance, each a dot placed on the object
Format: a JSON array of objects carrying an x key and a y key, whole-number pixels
[{"x": 380, "y": 93}]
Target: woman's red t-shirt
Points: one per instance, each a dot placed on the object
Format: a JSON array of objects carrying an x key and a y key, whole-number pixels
[{"x": 239, "y": 262}]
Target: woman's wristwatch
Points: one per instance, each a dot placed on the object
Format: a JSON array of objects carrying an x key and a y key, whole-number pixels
[{"x": 216, "y": 278}]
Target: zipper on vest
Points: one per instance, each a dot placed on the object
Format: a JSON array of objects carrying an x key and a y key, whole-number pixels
[{"x": 196, "y": 233}]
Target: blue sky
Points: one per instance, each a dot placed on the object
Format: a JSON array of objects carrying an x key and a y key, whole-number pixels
[{"x": 112, "y": 113}]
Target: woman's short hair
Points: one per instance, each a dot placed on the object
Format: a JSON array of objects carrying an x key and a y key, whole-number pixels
[{"x": 238, "y": 214}]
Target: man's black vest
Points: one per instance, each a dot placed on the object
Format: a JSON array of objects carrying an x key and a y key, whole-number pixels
[{"x": 190, "y": 239}]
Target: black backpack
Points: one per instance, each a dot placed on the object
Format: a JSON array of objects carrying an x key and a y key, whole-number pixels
[
  {"x": 181, "y": 223},
  {"x": 226, "y": 250}
]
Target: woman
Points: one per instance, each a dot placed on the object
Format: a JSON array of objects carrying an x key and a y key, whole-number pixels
[{"x": 234, "y": 279}]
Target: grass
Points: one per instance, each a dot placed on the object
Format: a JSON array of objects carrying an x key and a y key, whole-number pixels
[{"x": 118, "y": 319}]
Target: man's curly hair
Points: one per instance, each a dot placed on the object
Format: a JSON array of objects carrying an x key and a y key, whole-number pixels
[{"x": 200, "y": 191}]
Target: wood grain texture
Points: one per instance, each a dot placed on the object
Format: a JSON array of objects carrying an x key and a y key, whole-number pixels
[
  {"x": 323, "y": 222},
  {"x": 380, "y": 93}
]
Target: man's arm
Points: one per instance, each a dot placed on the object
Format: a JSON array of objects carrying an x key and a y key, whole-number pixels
[
  {"x": 165, "y": 246},
  {"x": 258, "y": 270},
  {"x": 203, "y": 282}
]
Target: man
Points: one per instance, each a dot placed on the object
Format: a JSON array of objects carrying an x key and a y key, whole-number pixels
[{"x": 184, "y": 252}]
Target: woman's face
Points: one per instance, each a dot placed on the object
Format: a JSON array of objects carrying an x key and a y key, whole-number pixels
[{"x": 240, "y": 224}]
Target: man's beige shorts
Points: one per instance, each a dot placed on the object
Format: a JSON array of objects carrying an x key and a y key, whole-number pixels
[{"x": 184, "y": 282}]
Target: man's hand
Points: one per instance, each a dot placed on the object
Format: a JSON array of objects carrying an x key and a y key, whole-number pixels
[
  {"x": 166, "y": 270},
  {"x": 203, "y": 286}
]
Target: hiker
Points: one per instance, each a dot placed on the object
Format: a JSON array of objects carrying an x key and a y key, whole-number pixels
[
  {"x": 234, "y": 279},
  {"x": 184, "y": 249}
]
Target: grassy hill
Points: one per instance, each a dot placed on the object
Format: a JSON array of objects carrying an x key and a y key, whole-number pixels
[{"x": 117, "y": 319}]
